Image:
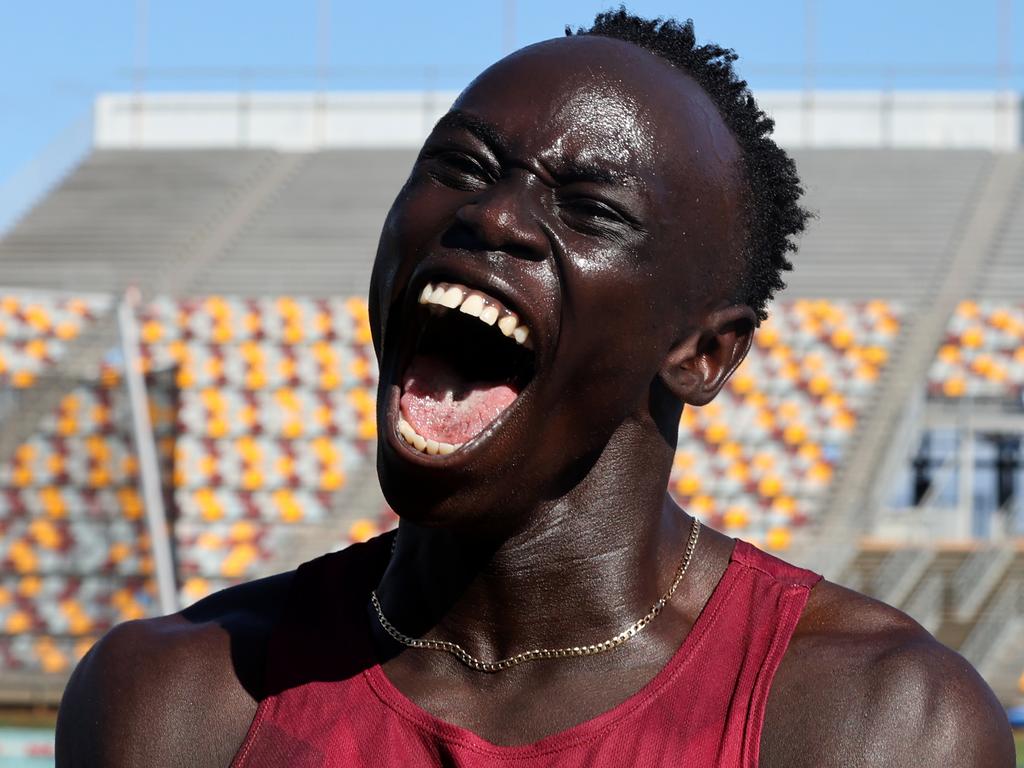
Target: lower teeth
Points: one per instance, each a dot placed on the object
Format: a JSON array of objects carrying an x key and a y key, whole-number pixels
[{"x": 422, "y": 444}]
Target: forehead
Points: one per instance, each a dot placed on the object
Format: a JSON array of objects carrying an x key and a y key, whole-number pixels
[{"x": 605, "y": 103}]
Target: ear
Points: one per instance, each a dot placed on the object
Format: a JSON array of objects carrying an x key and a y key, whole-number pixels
[{"x": 698, "y": 366}]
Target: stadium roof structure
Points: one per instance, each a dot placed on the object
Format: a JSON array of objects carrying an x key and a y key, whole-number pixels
[{"x": 318, "y": 120}]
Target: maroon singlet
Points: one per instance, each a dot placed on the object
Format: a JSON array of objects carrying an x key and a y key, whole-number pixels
[{"x": 330, "y": 704}]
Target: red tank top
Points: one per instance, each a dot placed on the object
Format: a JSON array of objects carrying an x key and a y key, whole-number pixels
[{"x": 330, "y": 704}]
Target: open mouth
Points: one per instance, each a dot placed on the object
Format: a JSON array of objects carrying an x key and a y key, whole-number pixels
[{"x": 472, "y": 359}]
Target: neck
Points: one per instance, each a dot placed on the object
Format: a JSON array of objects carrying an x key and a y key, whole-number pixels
[{"x": 583, "y": 567}]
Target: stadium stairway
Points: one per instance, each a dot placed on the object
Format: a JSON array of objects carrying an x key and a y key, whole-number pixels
[
  {"x": 1002, "y": 276},
  {"x": 758, "y": 460},
  {"x": 128, "y": 218},
  {"x": 993, "y": 643},
  {"x": 317, "y": 234},
  {"x": 883, "y": 439}
]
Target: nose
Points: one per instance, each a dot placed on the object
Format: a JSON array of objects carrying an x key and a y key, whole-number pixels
[{"x": 505, "y": 217}]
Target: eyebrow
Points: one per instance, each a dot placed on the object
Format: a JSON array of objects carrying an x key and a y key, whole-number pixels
[
  {"x": 457, "y": 119},
  {"x": 588, "y": 170}
]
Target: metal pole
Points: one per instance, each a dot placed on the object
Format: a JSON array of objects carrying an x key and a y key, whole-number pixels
[
  {"x": 323, "y": 71},
  {"x": 810, "y": 45},
  {"x": 508, "y": 30},
  {"x": 139, "y": 71},
  {"x": 149, "y": 470},
  {"x": 429, "y": 86},
  {"x": 1004, "y": 58},
  {"x": 965, "y": 474}
]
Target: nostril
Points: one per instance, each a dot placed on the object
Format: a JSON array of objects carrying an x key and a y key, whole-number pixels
[
  {"x": 458, "y": 237},
  {"x": 487, "y": 223},
  {"x": 463, "y": 237}
]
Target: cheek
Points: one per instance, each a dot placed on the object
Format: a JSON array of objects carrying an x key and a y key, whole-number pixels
[
  {"x": 417, "y": 219},
  {"x": 619, "y": 303},
  {"x": 611, "y": 348},
  {"x": 421, "y": 213}
]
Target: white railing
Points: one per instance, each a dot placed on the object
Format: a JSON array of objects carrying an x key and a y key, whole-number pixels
[
  {"x": 145, "y": 444},
  {"x": 976, "y": 577},
  {"x": 926, "y": 603},
  {"x": 900, "y": 573},
  {"x": 29, "y": 183},
  {"x": 303, "y": 120},
  {"x": 1002, "y": 615}
]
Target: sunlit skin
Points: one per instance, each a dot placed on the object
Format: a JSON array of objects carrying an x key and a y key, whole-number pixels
[{"x": 596, "y": 189}]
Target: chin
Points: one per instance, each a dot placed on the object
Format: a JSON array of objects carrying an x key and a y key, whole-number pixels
[{"x": 474, "y": 499}]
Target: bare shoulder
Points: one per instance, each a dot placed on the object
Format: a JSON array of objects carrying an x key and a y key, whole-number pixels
[
  {"x": 175, "y": 690},
  {"x": 862, "y": 684}
]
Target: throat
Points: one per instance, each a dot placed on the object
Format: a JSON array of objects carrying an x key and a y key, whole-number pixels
[{"x": 442, "y": 404}]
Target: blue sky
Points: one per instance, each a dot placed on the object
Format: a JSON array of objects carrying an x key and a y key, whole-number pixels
[{"x": 55, "y": 56}]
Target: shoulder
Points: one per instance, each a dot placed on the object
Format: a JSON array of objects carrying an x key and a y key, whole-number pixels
[
  {"x": 863, "y": 684},
  {"x": 175, "y": 690}
]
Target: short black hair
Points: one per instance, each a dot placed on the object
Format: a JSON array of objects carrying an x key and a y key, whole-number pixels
[{"x": 774, "y": 214}]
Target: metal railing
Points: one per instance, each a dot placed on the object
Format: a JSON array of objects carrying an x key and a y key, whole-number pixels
[
  {"x": 1003, "y": 615},
  {"x": 900, "y": 572},
  {"x": 925, "y": 605},
  {"x": 29, "y": 183},
  {"x": 976, "y": 578}
]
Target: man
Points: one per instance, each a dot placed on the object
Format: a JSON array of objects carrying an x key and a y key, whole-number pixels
[{"x": 584, "y": 246}]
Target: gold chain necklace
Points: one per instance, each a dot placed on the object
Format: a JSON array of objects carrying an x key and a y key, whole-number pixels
[{"x": 480, "y": 665}]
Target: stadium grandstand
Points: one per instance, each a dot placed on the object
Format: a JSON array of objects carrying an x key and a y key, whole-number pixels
[{"x": 187, "y": 378}]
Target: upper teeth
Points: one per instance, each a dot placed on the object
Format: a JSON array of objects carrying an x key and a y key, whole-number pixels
[{"x": 479, "y": 305}]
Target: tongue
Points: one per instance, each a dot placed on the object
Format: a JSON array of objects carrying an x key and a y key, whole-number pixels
[{"x": 441, "y": 405}]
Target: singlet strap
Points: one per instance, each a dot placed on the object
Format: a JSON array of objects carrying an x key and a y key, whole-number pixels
[
  {"x": 752, "y": 557},
  {"x": 778, "y": 593}
]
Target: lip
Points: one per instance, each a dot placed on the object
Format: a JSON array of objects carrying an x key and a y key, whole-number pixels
[{"x": 490, "y": 284}]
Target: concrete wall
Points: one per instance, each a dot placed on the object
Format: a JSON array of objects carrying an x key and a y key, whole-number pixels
[
  {"x": 305, "y": 121},
  {"x": 292, "y": 121}
]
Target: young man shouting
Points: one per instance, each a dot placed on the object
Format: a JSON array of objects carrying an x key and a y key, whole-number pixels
[{"x": 584, "y": 247}]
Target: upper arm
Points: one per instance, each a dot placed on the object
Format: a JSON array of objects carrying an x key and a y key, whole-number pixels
[
  {"x": 927, "y": 706},
  {"x": 102, "y": 715},
  {"x": 155, "y": 692},
  {"x": 864, "y": 685}
]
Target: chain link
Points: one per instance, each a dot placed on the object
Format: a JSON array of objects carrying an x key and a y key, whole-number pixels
[{"x": 473, "y": 662}]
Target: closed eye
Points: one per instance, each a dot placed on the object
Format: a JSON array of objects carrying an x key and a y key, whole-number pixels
[
  {"x": 456, "y": 169},
  {"x": 593, "y": 216}
]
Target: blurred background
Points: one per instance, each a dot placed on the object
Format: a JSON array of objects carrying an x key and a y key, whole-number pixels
[{"x": 190, "y": 198}]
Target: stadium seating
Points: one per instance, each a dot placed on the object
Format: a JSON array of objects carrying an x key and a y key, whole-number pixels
[
  {"x": 756, "y": 462},
  {"x": 270, "y": 413},
  {"x": 35, "y": 329},
  {"x": 74, "y": 549},
  {"x": 328, "y": 229},
  {"x": 129, "y": 216},
  {"x": 263, "y": 406},
  {"x": 983, "y": 353},
  {"x": 885, "y": 222},
  {"x": 276, "y": 412},
  {"x": 1002, "y": 276}
]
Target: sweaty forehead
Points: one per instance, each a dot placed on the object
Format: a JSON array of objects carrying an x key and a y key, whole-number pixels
[{"x": 605, "y": 103}]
